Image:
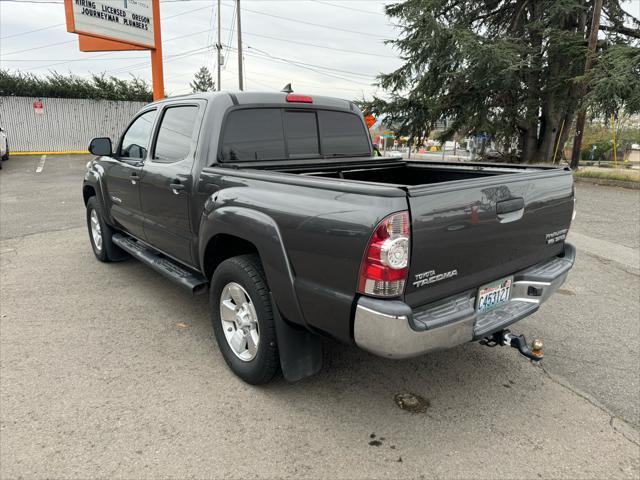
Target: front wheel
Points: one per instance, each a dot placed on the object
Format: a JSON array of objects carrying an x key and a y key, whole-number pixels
[
  {"x": 100, "y": 235},
  {"x": 242, "y": 317}
]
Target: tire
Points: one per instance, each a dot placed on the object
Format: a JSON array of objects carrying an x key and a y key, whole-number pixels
[
  {"x": 258, "y": 363},
  {"x": 103, "y": 247}
]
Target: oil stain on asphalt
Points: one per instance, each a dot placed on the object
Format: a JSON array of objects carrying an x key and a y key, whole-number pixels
[{"x": 411, "y": 402}]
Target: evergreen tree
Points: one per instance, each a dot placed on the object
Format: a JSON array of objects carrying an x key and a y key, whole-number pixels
[
  {"x": 507, "y": 68},
  {"x": 203, "y": 81}
]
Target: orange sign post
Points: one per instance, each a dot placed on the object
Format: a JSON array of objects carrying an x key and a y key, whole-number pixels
[{"x": 118, "y": 25}]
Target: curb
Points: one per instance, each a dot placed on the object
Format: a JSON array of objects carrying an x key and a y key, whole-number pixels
[
  {"x": 68, "y": 152},
  {"x": 608, "y": 182}
]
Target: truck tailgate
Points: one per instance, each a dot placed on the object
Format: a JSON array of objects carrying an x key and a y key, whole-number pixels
[{"x": 470, "y": 232}]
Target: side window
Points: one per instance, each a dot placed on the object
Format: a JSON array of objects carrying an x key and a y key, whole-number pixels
[
  {"x": 135, "y": 141},
  {"x": 253, "y": 134},
  {"x": 301, "y": 130},
  {"x": 175, "y": 134}
]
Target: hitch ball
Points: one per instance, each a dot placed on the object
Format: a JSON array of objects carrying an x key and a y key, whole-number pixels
[
  {"x": 536, "y": 348},
  {"x": 536, "y": 344}
]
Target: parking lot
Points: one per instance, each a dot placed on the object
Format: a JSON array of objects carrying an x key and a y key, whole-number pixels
[{"x": 109, "y": 370}]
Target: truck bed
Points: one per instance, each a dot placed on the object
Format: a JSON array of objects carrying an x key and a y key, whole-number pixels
[
  {"x": 395, "y": 171},
  {"x": 471, "y": 223}
]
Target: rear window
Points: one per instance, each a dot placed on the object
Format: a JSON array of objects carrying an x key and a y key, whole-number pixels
[
  {"x": 342, "y": 134},
  {"x": 301, "y": 130},
  {"x": 280, "y": 134},
  {"x": 254, "y": 134}
]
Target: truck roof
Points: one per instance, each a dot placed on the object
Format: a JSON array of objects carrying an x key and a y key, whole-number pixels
[{"x": 249, "y": 98}]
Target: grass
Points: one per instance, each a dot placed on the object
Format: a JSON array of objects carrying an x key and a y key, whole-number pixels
[{"x": 622, "y": 175}]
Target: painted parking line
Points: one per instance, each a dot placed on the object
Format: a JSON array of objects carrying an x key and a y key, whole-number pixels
[{"x": 40, "y": 167}]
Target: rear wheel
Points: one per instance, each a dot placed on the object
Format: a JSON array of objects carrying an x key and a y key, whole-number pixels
[
  {"x": 242, "y": 319},
  {"x": 100, "y": 234}
]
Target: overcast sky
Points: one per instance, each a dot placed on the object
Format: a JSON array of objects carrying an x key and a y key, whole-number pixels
[
  {"x": 341, "y": 53},
  {"x": 340, "y": 43}
]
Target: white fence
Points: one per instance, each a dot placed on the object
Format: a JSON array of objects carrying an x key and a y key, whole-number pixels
[{"x": 62, "y": 124}]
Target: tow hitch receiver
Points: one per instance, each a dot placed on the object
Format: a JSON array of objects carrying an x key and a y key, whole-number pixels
[{"x": 505, "y": 337}]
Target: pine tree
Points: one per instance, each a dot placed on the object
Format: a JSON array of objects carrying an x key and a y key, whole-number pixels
[
  {"x": 203, "y": 81},
  {"x": 507, "y": 68}
]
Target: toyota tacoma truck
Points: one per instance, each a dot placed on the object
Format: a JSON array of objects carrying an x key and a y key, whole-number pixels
[{"x": 275, "y": 204}]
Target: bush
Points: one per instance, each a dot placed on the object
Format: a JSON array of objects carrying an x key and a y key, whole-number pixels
[
  {"x": 55, "y": 85},
  {"x": 603, "y": 148}
]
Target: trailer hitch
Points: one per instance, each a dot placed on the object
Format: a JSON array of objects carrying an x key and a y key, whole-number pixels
[{"x": 505, "y": 337}]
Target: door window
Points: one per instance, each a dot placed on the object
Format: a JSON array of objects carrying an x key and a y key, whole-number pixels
[
  {"x": 135, "y": 141},
  {"x": 175, "y": 134}
]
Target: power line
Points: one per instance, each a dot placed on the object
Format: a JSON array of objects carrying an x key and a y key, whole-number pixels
[
  {"x": 72, "y": 41},
  {"x": 31, "y": 31},
  {"x": 304, "y": 82},
  {"x": 298, "y": 21},
  {"x": 318, "y": 46},
  {"x": 358, "y": 74},
  {"x": 304, "y": 66},
  {"x": 31, "y": 1},
  {"x": 108, "y": 54},
  {"x": 168, "y": 59},
  {"x": 60, "y": 2},
  {"x": 39, "y": 48},
  {"x": 68, "y": 60},
  {"x": 233, "y": 26},
  {"x": 95, "y": 57},
  {"x": 212, "y": 18},
  {"x": 348, "y": 8}
]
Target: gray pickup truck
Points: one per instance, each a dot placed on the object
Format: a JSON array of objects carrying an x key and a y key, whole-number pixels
[{"x": 276, "y": 204}]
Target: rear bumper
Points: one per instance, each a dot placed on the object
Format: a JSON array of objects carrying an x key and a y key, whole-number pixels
[{"x": 390, "y": 328}]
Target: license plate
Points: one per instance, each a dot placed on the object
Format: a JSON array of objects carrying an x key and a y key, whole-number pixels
[{"x": 494, "y": 294}]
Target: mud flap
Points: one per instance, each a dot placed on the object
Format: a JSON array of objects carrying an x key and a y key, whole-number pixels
[{"x": 300, "y": 350}]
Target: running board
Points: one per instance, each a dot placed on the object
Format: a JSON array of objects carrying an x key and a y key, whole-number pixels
[{"x": 193, "y": 282}]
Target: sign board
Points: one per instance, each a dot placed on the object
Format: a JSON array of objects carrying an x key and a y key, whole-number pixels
[
  {"x": 38, "y": 107},
  {"x": 129, "y": 21},
  {"x": 370, "y": 120}
]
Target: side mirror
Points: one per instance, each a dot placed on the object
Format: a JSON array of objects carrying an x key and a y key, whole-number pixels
[{"x": 100, "y": 146}]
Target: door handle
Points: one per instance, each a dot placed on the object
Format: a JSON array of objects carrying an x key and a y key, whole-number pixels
[
  {"x": 134, "y": 177},
  {"x": 508, "y": 206},
  {"x": 176, "y": 186},
  {"x": 510, "y": 210}
]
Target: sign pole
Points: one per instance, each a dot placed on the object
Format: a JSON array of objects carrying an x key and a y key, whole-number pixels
[{"x": 157, "y": 71}]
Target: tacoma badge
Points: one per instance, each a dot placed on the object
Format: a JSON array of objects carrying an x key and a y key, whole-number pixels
[{"x": 427, "y": 278}]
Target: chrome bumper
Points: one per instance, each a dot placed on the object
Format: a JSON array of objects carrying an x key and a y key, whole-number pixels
[{"x": 390, "y": 328}]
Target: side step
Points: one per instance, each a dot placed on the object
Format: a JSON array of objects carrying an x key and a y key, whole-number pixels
[{"x": 193, "y": 282}]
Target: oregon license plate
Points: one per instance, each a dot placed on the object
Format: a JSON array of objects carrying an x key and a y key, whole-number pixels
[{"x": 494, "y": 294}]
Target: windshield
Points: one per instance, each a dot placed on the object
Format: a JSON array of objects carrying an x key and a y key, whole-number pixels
[{"x": 285, "y": 134}]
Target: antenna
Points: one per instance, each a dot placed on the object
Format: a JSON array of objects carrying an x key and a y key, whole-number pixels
[{"x": 287, "y": 88}]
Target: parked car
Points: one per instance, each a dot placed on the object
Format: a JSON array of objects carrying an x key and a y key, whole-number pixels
[
  {"x": 276, "y": 204},
  {"x": 4, "y": 146}
]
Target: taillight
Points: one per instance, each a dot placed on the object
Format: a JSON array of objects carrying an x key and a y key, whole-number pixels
[
  {"x": 385, "y": 265},
  {"x": 292, "y": 97}
]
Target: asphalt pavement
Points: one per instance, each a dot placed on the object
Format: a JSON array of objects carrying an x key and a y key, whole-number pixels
[{"x": 109, "y": 370}]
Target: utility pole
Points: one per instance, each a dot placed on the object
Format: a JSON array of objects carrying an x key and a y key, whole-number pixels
[
  {"x": 219, "y": 49},
  {"x": 591, "y": 53},
  {"x": 240, "y": 76}
]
